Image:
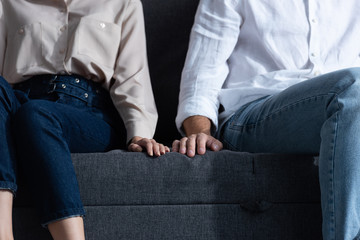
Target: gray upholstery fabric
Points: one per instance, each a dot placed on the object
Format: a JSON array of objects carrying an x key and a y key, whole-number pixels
[
  {"x": 210, "y": 222},
  {"x": 124, "y": 178},
  {"x": 225, "y": 195}
]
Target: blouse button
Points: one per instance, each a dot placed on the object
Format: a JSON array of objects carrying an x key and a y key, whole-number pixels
[{"x": 63, "y": 28}]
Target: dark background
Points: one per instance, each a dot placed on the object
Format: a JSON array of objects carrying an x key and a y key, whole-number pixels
[{"x": 167, "y": 43}]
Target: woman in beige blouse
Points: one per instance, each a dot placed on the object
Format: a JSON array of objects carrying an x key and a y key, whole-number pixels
[{"x": 73, "y": 71}]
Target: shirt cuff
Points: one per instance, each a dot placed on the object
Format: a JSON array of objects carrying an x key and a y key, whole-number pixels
[{"x": 192, "y": 108}]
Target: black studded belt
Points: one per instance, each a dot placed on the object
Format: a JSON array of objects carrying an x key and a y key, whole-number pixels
[{"x": 88, "y": 91}]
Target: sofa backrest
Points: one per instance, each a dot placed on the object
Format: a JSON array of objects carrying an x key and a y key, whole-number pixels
[{"x": 168, "y": 24}]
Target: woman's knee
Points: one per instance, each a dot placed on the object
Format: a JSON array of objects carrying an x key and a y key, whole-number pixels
[
  {"x": 33, "y": 117},
  {"x": 8, "y": 100}
]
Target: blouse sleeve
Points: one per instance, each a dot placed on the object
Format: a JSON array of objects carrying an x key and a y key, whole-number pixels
[{"x": 131, "y": 89}]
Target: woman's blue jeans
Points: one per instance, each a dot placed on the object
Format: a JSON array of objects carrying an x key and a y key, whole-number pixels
[
  {"x": 41, "y": 122},
  {"x": 318, "y": 116}
]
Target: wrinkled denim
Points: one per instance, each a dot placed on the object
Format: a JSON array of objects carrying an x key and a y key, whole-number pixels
[
  {"x": 41, "y": 123},
  {"x": 318, "y": 116}
]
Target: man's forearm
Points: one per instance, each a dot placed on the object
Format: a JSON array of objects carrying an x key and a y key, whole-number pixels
[{"x": 197, "y": 124}]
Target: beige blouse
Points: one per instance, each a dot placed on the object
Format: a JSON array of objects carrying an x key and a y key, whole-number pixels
[{"x": 102, "y": 40}]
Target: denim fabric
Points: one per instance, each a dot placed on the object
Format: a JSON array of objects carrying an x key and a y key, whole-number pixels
[
  {"x": 44, "y": 120},
  {"x": 321, "y": 115}
]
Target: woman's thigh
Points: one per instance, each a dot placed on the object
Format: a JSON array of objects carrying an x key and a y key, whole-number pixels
[{"x": 53, "y": 124}]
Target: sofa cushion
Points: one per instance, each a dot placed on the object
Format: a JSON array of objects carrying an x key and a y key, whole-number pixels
[{"x": 254, "y": 180}]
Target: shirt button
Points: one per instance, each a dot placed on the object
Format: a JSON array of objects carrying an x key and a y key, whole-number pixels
[
  {"x": 62, "y": 51},
  {"x": 313, "y": 54},
  {"x": 63, "y": 86},
  {"x": 21, "y": 31},
  {"x": 102, "y": 25},
  {"x": 313, "y": 20},
  {"x": 317, "y": 73},
  {"x": 86, "y": 95},
  {"x": 77, "y": 80}
]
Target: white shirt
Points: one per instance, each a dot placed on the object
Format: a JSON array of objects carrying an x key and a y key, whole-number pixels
[
  {"x": 241, "y": 50},
  {"x": 102, "y": 40}
]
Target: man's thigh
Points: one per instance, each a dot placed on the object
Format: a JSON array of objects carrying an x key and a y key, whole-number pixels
[{"x": 290, "y": 121}]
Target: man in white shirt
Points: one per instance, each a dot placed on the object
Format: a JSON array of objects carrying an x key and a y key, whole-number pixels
[{"x": 280, "y": 77}]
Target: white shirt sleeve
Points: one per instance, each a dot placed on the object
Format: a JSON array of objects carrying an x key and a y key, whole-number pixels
[
  {"x": 213, "y": 38},
  {"x": 2, "y": 38}
]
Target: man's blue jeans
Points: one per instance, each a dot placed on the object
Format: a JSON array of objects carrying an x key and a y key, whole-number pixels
[
  {"x": 41, "y": 123},
  {"x": 318, "y": 116}
]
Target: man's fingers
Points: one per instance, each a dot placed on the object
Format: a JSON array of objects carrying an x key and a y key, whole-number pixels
[
  {"x": 182, "y": 146},
  {"x": 201, "y": 141},
  {"x": 214, "y": 144},
  {"x": 191, "y": 145},
  {"x": 176, "y": 146},
  {"x": 196, "y": 143}
]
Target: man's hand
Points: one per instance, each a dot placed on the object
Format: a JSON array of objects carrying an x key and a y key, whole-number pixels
[
  {"x": 196, "y": 143},
  {"x": 197, "y": 129},
  {"x": 138, "y": 144}
]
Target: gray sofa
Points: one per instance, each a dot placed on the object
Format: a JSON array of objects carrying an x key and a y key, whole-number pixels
[{"x": 224, "y": 195}]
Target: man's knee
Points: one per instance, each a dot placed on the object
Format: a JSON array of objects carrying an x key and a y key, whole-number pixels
[
  {"x": 352, "y": 74},
  {"x": 346, "y": 92},
  {"x": 346, "y": 82}
]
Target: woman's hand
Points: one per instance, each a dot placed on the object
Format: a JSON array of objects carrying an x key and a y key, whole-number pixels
[{"x": 139, "y": 144}]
